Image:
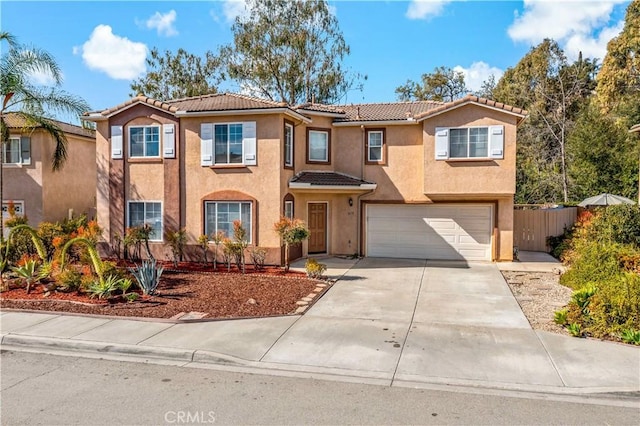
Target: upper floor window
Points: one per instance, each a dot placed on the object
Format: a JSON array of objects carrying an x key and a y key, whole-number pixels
[
  {"x": 228, "y": 143},
  {"x": 288, "y": 144},
  {"x": 469, "y": 143},
  {"x": 375, "y": 146},
  {"x": 288, "y": 209},
  {"x": 144, "y": 141},
  {"x": 17, "y": 150},
  {"x": 318, "y": 146}
]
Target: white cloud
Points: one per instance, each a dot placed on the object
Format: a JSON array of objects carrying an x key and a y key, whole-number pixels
[
  {"x": 164, "y": 24},
  {"x": 118, "y": 57},
  {"x": 570, "y": 22},
  {"x": 42, "y": 78},
  {"x": 477, "y": 73},
  {"x": 425, "y": 9},
  {"x": 591, "y": 47},
  {"x": 231, "y": 9}
]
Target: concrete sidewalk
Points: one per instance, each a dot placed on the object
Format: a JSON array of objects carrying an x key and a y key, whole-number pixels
[{"x": 391, "y": 322}]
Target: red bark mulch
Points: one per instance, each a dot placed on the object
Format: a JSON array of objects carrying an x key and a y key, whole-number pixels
[{"x": 189, "y": 289}]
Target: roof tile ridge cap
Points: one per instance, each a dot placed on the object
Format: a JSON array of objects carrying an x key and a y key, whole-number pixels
[{"x": 255, "y": 98}]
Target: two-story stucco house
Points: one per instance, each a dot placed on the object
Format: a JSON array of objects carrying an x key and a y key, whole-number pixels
[
  {"x": 410, "y": 179},
  {"x": 29, "y": 181}
]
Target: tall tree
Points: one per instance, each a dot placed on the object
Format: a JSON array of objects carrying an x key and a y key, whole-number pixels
[
  {"x": 178, "y": 75},
  {"x": 604, "y": 156},
  {"x": 289, "y": 51},
  {"x": 443, "y": 85},
  {"x": 618, "y": 87},
  {"x": 553, "y": 90},
  {"x": 31, "y": 102}
]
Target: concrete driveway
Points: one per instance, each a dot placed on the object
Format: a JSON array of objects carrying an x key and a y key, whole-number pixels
[{"x": 412, "y": 319}]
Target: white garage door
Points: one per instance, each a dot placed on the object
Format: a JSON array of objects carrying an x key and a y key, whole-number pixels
[{"x": 446, "y": 231}]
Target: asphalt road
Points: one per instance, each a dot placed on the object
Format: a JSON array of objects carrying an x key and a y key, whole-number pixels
[{"x": 50, "y": 390}]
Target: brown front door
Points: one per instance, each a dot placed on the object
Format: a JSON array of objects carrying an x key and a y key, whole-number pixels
[{"x": 317, "y": 227}]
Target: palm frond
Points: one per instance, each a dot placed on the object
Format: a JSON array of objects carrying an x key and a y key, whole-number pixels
[{"x": 37, "y": 121}]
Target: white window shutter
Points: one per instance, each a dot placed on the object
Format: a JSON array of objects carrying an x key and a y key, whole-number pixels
[
  {"x": 442, "y": 143},
  {"x": 496, "y": 142},
  {"x": 169, "y": 140},
  {"x": 206, "y": 144},
  {"x": 25, "y": 150},
  {"x": 249, "y": 143},
  {"x": 116, "y": 142}
]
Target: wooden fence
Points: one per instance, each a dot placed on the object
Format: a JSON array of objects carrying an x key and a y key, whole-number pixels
[{"x": 532, "y": 227}]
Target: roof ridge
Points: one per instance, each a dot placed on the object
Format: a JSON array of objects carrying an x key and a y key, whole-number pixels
[{"x": 188, "y": 98}]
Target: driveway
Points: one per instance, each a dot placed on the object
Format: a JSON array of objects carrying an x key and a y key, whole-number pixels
[{"x": 413, "y": 319}]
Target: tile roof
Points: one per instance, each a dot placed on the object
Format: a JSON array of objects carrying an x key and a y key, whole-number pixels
[
  {"x": 328, "y": 179},
  {"x": 223, "y": 102},
  {"x": 16, "y": 121},
  {"x": 390, "y": 111},
  {"x": 140, "y": 98},
  {"x": 471, "y": 99}
]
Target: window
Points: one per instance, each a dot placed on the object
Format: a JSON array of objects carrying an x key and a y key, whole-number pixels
[
  {"x": 220, "y": 215},
  {"x": 318, "y": 146},
  {"x": 288, "y": 209},
  {"x": 145, "y": 212},
  {"x": 228, "y": 143},
  {"x": 144, "y": 141},
  {"x": 288, "y": 144},
  {"x": 375, "y": 146},
  {"x": 16, "y": 206},
  {"x": 471, "y": 142},
  {"x": 17, "y": 150}
]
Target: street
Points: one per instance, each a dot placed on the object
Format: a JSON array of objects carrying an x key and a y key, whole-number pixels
[{"x": 49, "y": 390}]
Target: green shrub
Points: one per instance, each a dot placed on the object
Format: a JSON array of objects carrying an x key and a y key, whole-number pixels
[
  {"x": 560, "y": 317},
  {"x": 575, "y": 329},
  {"x": 258, "y": 256},
  {"x": 177, "y": 241},
  {"x": 69, "y": 280},
  {"x": 594, "y": 262},
  {"x": 631, "y": 336},
  {"x": 314, "y": 269},
  {"x": 617, "y": 224}
]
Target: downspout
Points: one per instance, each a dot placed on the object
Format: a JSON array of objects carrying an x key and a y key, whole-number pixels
[{"x": 359, "y": 221}]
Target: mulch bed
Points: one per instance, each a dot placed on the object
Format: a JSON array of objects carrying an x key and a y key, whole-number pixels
[{"x": 218, "y": 294}]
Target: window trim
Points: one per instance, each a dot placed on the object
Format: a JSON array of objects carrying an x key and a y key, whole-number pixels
[
  {"x": 319, "y": 130},
  {"x": 4, "y": 152},
  {"x": 213, "y": 135},
  {"x": 129, "y": 202},
  {"x": 144, "y": 126},
  {"x": 284, "y": 213},
  {"x": 468, "y": 129},
  {"x": 383, "y": 148},
  {"x": 251, "y": 217},
  {"x": 15, "y": 203},
  {"x": 290, "y": 124}
]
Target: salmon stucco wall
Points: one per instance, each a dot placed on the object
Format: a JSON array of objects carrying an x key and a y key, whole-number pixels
[{"x": 74, "y": 186}]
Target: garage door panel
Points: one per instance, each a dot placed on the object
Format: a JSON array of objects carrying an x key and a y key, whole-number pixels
[{"x": 430, "y": 231}]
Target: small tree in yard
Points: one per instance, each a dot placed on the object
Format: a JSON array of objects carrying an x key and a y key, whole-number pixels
[
  {"x": 203, "y": 242},
  {"x": 291, "y": 231},
  {"x": 241, "y": 240},
  {"x": 177, "y": 241},
  {"x": 217, "y": 238}
]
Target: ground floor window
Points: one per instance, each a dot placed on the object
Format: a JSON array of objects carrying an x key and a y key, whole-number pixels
[
  {"x": 12, "y": 208},
  {"x": 220, "y": 215},
  {"x": 147, "y": 212}
]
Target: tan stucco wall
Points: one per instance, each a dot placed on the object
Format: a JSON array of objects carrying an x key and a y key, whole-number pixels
[
  {"x": 49, "y": 195},
  {"x": 24, "y": 182},
  {"x": 74, "y": 186},
  {"x": 103, "y": 199},
  {"x": 470, "y": 177},
  {"x": 262, "y": 182}
]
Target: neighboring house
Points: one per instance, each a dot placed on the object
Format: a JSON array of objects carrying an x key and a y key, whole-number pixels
[
  {"x": 29, "y": 181},
  {"x": 411, "y": 179}
]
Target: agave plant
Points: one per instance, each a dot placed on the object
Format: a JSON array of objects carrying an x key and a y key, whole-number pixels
[
  {"x": 148, "y": 275},
  {"x": 103, "y": 289},
  {"x": 28, "y": 271}
]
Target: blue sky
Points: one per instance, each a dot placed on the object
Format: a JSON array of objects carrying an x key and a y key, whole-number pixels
[{"x": 101, "y": 45}]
